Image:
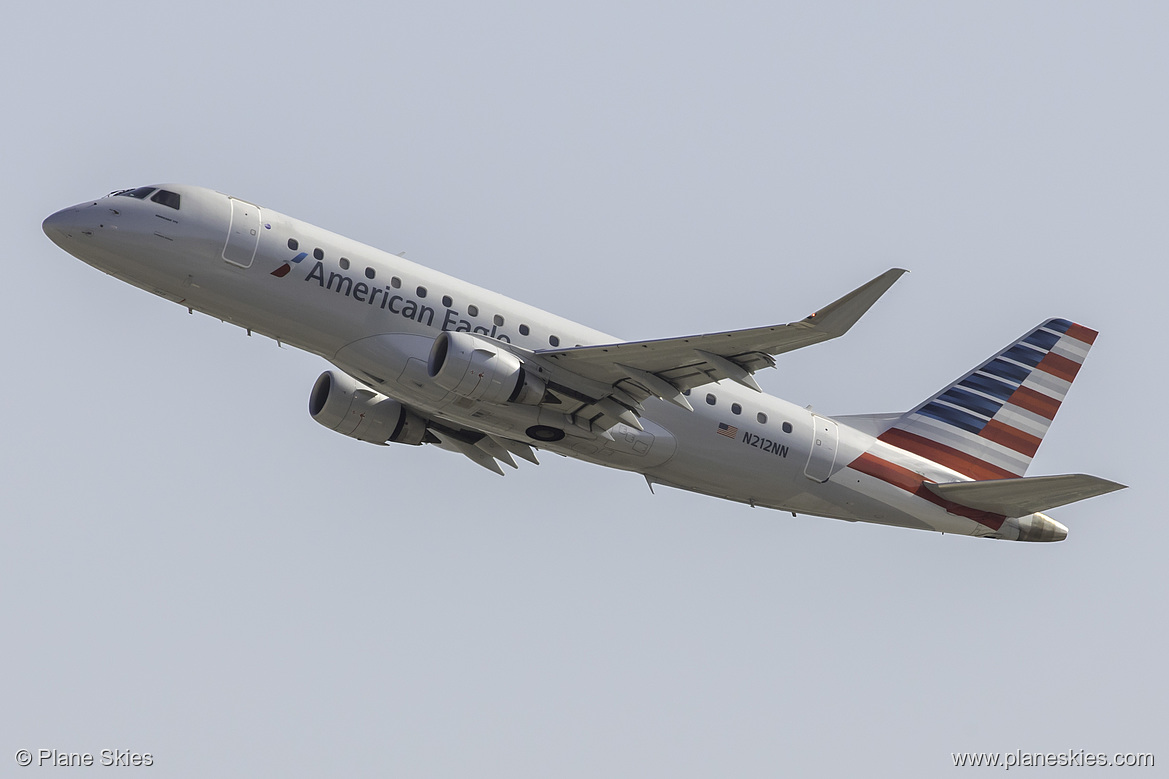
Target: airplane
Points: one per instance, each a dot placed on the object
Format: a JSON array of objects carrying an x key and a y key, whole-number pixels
[{"x": 420, "y": 357}]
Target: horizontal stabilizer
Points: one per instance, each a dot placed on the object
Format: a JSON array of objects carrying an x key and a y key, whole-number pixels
[{"x": 1021, "y": 497}]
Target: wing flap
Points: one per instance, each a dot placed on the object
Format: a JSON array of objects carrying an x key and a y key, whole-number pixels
[
  {"x": 453, "y": 443},
  {"x": 1026, "y": 495},
  {"x": 518, "y": 448},
  {"x": 482, "y": 449}
]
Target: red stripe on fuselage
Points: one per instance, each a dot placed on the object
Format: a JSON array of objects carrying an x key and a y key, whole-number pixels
[
  {"x": 963, "y": 463},
  {"x": 897, "y": 475},
  {"x": 905, "y": 479}
]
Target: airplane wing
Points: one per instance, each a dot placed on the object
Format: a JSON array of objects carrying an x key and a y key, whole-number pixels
[{"x": 666, "y": 367}]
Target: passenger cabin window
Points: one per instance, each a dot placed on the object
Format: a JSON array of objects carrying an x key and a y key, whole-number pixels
[
  {"x": 293, "y": 244},
  {"x": 167, "y": 198},
  {"x": 762, "y": 418},
  {"x": 787, "y": 427},
  {"x": 710, "y": 399},
  {"x": 498, "y": 320},
  {"x": 319, "y": 254},
  {"x": 370, "y": 273},
  {"x": 736, "y": 408},
  {"x": 421, "y": 292},
  {"x": 554, "y": 340},
  {"x": 524, "y": 330},
  {"x": 446, "y": 301},
  {"x": 141, "y": 193},
  {"x": 395, "y": 282},
  {"x": 344, "y": 263},
  {"x": 472, "y": 310}
]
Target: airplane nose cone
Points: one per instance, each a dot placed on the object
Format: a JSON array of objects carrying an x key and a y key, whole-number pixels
[{"x": 61, "y": 225}]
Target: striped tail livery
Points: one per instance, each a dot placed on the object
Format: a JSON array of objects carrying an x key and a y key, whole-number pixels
[
  {"x": 985, "y": 428},
  {"x": 989, "y": 423}
]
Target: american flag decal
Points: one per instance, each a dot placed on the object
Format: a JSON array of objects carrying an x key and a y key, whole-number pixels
[{"x": 730, "y": 431}]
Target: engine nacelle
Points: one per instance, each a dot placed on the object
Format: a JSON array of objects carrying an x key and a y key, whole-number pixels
[
  {"x": 478, "y": 369},
  {"x": 340, "y": 403}
]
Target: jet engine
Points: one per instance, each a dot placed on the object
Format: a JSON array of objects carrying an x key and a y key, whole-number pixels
[
  {"x": 480, "y": 370},
  {"x": 340, "y": 403}
]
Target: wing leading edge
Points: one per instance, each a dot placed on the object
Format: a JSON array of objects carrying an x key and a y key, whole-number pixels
[{"x": 667, "y": 367}]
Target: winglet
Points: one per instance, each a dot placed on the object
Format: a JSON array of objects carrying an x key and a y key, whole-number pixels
[{"x": 836, "y": 318}]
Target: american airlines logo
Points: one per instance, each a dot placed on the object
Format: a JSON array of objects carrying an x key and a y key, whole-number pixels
[{"x": 283, "y": 270}]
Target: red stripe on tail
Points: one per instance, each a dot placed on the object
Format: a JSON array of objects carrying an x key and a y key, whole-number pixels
[
  {"x": 1060, "y": 367},
  {"x": 1035, "y": 402},
  {"x": 1016, "y": 440},
  {"x": 963, "y": 463},
  {"x": 1081, "y": 333}
]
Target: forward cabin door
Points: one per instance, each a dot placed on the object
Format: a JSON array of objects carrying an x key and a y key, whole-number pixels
[
  {"x": 243, "y": 236},
  {"x": 822, "y": 457}
]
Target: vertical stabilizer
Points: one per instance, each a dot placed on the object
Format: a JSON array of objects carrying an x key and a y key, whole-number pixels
[{"x": 989, "y": 423}]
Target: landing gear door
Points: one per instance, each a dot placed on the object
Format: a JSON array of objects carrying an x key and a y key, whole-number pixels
[
  {"x": 243, "y": 235},
  {"x": 822, "y": 457}
]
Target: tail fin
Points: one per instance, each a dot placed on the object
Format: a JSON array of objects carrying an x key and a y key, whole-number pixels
[{"x": 989, "y": 423}]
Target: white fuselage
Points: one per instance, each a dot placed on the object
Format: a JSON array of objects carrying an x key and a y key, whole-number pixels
[{"x": 377, "y": 318}]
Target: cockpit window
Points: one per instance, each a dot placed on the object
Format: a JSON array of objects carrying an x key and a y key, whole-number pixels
[
  {"x": 141, "y": 193},
  {"x": 167, "y": 198}
]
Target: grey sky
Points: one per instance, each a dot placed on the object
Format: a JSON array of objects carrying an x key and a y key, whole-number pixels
[{"x": 192, "y": 568}]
